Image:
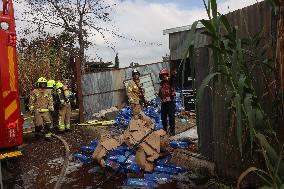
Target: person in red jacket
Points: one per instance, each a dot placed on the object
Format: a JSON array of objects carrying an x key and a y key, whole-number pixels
[{"x": 167, "y": 95}]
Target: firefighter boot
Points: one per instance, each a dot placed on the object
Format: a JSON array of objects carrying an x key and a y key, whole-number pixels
[
  {"x": 47, "y": 133},
  {"x": 38, "y": 131},
  {"x": 61, "y": 127},
  {"x": 68, "y": 127}
]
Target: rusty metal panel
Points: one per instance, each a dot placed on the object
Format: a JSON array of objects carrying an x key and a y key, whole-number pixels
[
  {"x": 280, "y": 45},
  {"x": 205, "y": 124},
  {"x": 178, "y": 43},
  {"x": 280, "y": 58},
  {"x": 248, "y": 21},
  {"x": 102, "y": 90}
]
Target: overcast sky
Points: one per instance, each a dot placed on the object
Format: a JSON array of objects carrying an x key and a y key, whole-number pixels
[{"x": 144, "y": 21}]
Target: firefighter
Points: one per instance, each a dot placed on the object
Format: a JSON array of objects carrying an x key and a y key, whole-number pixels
[
  {"x": 167, "y": 95},
  {"x": 41, "y": 103},
  {"x": 64, "y": 99},
  {"x": 135, "y": 93},
  {"x": 51, "y": 88}
]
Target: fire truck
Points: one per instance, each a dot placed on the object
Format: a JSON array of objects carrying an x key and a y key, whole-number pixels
[{"x": 11, "y": 120}]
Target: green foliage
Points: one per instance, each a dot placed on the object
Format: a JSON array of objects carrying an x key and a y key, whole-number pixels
[
  {"x": 47, "y": 56},
  {"x": 234, "y": 60},
  {"x": 273, "y": 177},
  {"x": 234, "y": 75}
]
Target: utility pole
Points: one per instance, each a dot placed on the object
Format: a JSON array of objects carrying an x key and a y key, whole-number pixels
[{"x": 79, "y": 88}]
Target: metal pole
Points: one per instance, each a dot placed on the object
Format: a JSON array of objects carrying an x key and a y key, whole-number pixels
[
  {"x": 1, "y": 179},
  {"x": 79, "y": 89}
]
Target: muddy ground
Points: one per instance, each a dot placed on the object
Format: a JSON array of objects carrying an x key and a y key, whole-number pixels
[{"x": 42, "y": 161}]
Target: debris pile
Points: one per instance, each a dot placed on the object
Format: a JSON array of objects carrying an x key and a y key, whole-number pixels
[
  {"x": 178, "y": 102},
  {"x": 121, "y": 153},
  {"x": 152, "y": 111},
  {"x": 122, "y": 159},
  {"x": 123, "y": 118}
]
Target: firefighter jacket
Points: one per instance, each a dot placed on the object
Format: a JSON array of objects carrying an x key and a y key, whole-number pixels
[
  {"x": 41, "y": 100},
  {"x": 64, "y": 97},
  {"x": 52, "y": 92},
  {"x": 135, "y": 92},
  {"x": 166, "y": 92}
]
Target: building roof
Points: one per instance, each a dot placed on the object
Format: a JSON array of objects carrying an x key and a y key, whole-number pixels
[{"x": 180, "y": 29}]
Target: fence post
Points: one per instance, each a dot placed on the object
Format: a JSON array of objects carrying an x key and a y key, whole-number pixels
[{"x": 79, "y": 88}]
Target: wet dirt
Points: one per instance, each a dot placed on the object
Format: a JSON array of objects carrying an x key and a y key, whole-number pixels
[{"x": 42, "y": 160}]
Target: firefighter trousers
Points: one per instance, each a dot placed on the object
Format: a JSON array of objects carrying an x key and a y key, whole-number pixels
[
  {"x": 168, "y": 111},
  {"x": 64, "y": 117},
  {"x": 43, "y": 122}
]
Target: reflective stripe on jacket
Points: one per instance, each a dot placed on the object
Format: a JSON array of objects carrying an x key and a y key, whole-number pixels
[
  {"x": 135, "y": 92},
  {"x": 41, "y": 99}
]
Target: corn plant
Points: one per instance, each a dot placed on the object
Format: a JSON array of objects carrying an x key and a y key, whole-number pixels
[
  {"x": 231, "y": 74},
  {"x": 273, "y": 175},
  {"x": 230, "y": 71}
]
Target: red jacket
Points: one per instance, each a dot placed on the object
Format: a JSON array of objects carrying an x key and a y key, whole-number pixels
[{"x": 166, "y": 92}]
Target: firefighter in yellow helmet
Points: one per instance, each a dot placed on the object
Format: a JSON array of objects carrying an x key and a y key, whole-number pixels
[
  {"x": 135, "y": 93},
  {"x": 51, "y": 85},
  {"x": 64, "y": 98},
  {"x": 51, "y": 88},
  {"x": 40, "y": 104}
]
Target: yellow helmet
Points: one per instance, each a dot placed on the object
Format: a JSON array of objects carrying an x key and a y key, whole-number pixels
[
  {"x": 58, "y": 85},
  {"x": 51, "y": 83},
  {"x": 41, "y": 80}
]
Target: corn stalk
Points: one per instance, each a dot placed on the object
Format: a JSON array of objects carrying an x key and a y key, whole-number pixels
[{"x": 231, "y": 71}]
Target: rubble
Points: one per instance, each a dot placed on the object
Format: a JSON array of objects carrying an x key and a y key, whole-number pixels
[
  {"x": 121, "y": 153},
  {"x": 103, "y": 113}
]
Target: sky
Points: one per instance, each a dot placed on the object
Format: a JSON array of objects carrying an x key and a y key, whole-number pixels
[{"x": 144, "y": 21}]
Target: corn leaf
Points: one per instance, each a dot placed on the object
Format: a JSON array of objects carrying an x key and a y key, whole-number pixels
[
  {"x": 225, "y": 23},
  {"x": 207, "y": 7},
  {"x": 238, "y": 106},
  {"x": 214, "y": 9},
  {"x": 203, "y": 85},
  {"x": 241, "y": 84},
  {"x": 278, "y": 163},
  {"x": 250, "y": 116},
  {"x": 272, "y": 155},
  {"x": 209, "y": 27},
  {"x": 190, "y": 42},
  {"x": 266, "y": 187},
  {"x": 247, "y": 172}
]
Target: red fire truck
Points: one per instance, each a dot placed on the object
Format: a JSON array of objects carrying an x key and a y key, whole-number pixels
[{"x": 11, "y": 120}]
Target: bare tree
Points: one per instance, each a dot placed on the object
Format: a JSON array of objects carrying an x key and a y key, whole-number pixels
[{"x": 80, "y": 18}]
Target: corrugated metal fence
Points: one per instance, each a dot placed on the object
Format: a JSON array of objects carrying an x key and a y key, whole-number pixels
[
  {"x": 103, "y": 90},
  {"x": 213, "y": 141}
]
